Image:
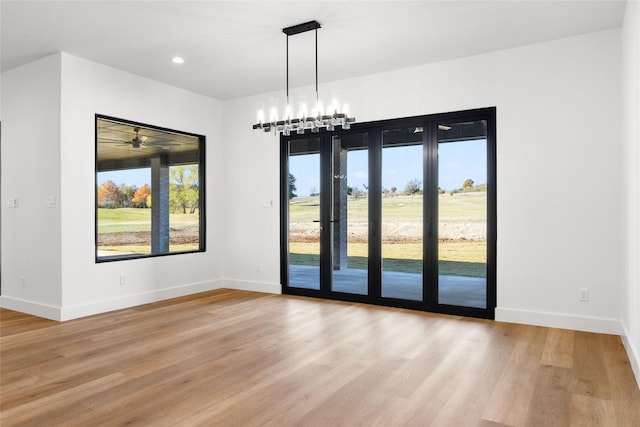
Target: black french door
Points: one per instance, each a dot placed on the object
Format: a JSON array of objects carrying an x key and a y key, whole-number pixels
[{"x": 398, "y": 212}]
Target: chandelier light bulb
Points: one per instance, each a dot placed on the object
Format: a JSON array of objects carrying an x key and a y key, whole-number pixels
[
  {"x": 335, "y": 103},
  {"x": 345, "y": 109},
  {"x": 273, "y": 110},
  {"x": 260, "y": 112},
  {"x": 288, "y": 112},
  {"x": 302, "y": 107},
  {"x": 318, "y": 110}
]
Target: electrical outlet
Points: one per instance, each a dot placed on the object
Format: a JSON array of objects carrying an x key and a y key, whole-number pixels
[
  {"x": 123, "y": 280},
  {"x": 51, "y": 201},
  {"x": 584, "y": 295},
  {"x": 23, "y": 281},
  {"x": 12, "y": 202}
]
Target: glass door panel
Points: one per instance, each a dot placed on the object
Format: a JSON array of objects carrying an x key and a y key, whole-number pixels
[
  {"x": 350, "y": 214},
  {"x": 462, "y": 214},
  {"x": 401, "y": 221},
  {"x": 400, "y": 212},
  {"x": 304, "y": 213}
]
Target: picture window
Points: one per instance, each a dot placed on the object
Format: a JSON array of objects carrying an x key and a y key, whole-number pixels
[{"x": 149, "y": 190}]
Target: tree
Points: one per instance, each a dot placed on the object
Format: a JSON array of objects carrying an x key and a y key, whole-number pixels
[
  {"x": 140, "y": 196},
  {"x": 193, "y": 188},
  {"x": 394, "y": 189},
  {"x": 108, "y": 195},
  {"x": 292, "y": 186},
  {"x": 184, "y": 188},
  {"x": 413, "y": 187},
  {"x": 467, "y": 184},
  {"x": 126, "y": 195}
]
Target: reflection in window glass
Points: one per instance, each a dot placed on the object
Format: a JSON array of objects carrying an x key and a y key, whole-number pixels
[{"x": 148, "y": 191}]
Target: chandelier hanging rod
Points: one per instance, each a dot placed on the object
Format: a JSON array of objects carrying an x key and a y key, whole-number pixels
[{"x": 297, "y": 29}]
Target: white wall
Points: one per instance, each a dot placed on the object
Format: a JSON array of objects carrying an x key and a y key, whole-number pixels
[
  {"x": 30, "y": 172},
  {"x": 252, "y": 232},
  {"x": 83, "y": 287},
  {"x": 560, "y": 197},
  {"x": 631, "y": 137}
]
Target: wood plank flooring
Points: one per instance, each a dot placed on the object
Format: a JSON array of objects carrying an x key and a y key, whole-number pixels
[{"x": 239, "y": 358}]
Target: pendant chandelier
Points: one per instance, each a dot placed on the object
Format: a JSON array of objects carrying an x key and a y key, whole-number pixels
[{"x": 335, "y": 114}]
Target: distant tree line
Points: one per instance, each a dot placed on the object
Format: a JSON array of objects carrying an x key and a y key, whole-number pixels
[
  {"x": 413, "y": 187},
  {"x": 114, "y": 196},
  {"x": 184, "y": 192},
  {"x": 468, "y": 186}
]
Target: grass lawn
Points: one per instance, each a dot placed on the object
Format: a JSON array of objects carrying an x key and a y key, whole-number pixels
[
  {"x": 127, "y": 230},
  {"x": 123, "y": 220},
  {"x": 129, "y": 220},
  {"x": 470, "y": 207},
  {"x": 455, "y": 257},
  {"x": 146, "y": 249},
  {"x": 460, "y": 257}
]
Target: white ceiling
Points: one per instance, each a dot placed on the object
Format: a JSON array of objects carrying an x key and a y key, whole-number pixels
[{"x": 236, "y": 48}]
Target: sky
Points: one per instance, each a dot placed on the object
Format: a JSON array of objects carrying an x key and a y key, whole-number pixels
[
  {"x": 136, "y": 177},
  {"x": 457, "y": 162}
]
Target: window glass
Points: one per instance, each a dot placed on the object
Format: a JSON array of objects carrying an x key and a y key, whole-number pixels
[{"x": 148, "y": 190}]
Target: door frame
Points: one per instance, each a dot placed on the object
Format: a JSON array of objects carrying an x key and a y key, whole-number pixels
[{"x": 430, "y": 214}]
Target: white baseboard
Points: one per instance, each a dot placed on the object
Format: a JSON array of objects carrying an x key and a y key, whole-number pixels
[
  {"x": 562, "y": 321},
  {"x": 30, "y": 307},
  {"x": 245, "y": 285},
  {"x": 632, "y": 352},
  {"x": 103, "y": 306},
  {"x": 126, "y": 301}
]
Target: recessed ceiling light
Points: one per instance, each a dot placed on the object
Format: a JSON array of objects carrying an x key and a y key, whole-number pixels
[{"x": 177, "y": 60}]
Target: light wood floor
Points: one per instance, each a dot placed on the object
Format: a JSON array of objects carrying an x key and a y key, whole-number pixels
[{"x": 240, "y": 358}]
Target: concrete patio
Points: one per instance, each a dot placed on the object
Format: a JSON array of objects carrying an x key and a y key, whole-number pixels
[{"x": 452, "y": 290}]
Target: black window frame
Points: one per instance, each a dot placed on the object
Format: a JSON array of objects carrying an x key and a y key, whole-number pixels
[
  {"x": 201, "y": 189},
  {"x": 430, "y": 303}
]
